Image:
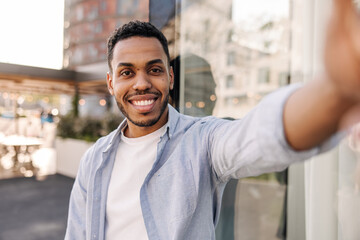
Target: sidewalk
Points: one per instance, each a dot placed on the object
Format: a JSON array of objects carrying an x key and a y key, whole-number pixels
[{"x": 34, "y": 210}]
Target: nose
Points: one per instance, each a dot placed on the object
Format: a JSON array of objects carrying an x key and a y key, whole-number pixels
[{"x": 142, "y": 82}]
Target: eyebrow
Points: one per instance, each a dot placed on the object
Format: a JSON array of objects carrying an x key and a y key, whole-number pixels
[
  {"x": 125, "y": 64},
  {"x": 154, "y": 61}
]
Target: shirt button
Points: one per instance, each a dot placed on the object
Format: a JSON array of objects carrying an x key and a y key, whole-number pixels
[{"x": 94, "y": 236}]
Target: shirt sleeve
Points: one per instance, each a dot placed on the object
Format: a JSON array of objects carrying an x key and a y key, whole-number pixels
[
  {"x": 76, "y": 224},
  {"x": 256, "y": 144}
]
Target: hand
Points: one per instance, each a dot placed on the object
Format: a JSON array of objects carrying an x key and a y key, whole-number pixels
[{"x": 342, "y": 50}]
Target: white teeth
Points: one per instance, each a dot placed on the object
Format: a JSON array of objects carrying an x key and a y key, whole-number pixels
[{"x": 143, "y": 102}]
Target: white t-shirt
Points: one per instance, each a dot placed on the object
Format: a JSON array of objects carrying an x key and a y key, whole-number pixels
[{"x": 134, "y": 159}]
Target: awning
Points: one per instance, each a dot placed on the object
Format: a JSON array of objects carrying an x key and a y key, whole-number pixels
[{"x": 25, "y": 79}]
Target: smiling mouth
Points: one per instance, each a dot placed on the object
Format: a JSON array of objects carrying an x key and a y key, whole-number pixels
[{"x": 143, "y": 102}]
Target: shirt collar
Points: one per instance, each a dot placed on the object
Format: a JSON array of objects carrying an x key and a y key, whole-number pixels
[
  {"x": 115, "y": 134},
  {"x": 172, "y": 120}
]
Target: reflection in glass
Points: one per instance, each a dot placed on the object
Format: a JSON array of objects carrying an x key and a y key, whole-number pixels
[
  {"x": 226, "y": 56},
  {"x": 199, "y": 86},
  {"x": 246, "y": 43}
]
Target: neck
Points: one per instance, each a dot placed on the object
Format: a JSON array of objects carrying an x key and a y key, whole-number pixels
[{"x": 134, "y": 131}]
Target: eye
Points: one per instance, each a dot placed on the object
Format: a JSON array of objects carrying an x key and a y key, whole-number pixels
[
  {"x": 156, "y": 70},
  {"x": 126, "y": 73}
]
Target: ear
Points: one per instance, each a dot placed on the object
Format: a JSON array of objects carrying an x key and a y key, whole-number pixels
[
  {"x": 109, "y": 83},
  {"x": 171, "y": 76}
]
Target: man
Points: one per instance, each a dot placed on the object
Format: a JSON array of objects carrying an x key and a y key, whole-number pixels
[{"x": 161, "y": 174}]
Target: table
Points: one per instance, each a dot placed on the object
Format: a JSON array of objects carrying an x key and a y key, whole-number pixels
[{"x": 21, "y": 145}]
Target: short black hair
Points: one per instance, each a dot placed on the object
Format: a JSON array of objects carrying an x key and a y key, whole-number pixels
[{"x": 135, "y": 29}]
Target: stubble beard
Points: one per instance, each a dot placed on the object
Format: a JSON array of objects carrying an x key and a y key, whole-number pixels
[{"x": 148, "y": 123}]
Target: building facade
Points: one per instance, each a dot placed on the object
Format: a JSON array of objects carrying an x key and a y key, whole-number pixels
[{"x": 87, "y": 26}]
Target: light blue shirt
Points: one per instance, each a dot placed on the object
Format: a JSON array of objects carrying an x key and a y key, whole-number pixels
[{"x": 181, "y": 195}]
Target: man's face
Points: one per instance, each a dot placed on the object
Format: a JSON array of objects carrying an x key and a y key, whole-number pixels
[{"x": 140, "y": 81}]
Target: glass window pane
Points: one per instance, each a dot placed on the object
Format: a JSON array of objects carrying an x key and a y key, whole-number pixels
[
  {"x": 127, "y": 7},
  {"x": 227, "y": 55},
  {"x": 239, "y": 52}
]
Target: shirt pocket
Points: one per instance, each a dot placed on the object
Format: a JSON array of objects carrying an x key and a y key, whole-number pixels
[{"x": 175, "y": 189}]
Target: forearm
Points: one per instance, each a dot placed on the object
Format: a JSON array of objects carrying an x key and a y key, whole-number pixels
[
  {"x": 256, "y": 144},
  {"x": 313, "y": 113}
]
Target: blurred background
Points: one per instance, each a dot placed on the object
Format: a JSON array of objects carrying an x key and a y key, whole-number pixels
[{"x": 227, "y": 55}]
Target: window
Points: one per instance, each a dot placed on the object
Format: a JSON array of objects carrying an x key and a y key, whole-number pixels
[
  {"x": 283, "y": 78},
  {"x": 231, "y": 59},
  {"x": 258, "y": 203},
  {"x": 258, "y": 206},
  {"x": 264, "y": 75},
  {"x": 230, "y": 81},
  {"x": 230, "y": 37},
  {"x": 127, "y": 7}
]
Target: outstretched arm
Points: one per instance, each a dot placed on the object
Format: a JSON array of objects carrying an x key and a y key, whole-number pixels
[{"x": 331, "y": 102}]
